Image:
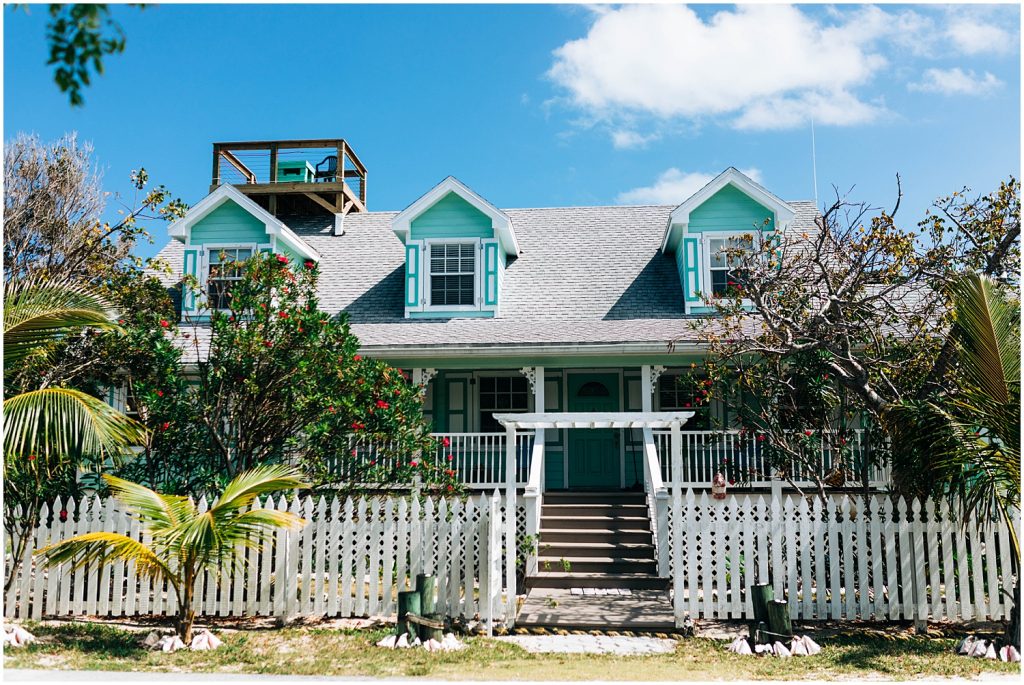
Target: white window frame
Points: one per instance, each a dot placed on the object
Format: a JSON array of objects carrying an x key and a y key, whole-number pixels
[
  {"x": 215, "y": 248},
  {"x": 706, "y": 254},
  {"x": 428, "y": 273}
]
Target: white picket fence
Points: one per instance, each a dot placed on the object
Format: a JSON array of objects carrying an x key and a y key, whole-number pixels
[
  {"x": 880, "y": 559},
  {"x": 350, "y": 559}
]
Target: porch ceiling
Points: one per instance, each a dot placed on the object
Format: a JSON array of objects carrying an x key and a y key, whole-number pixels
[{"x": 578, "y": 419}]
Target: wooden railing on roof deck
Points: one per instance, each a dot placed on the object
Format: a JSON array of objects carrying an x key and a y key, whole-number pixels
[{"x": 257, "y": 163}]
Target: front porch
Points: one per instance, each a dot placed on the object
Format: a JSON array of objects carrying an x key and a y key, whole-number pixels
[{"x": 462, "y": 403}]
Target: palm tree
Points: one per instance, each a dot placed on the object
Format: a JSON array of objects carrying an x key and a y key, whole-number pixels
[
  {"x": 48, "y": 430},
  {"x": 971, "y": 437},
  {"x": 186, "y": 542}
]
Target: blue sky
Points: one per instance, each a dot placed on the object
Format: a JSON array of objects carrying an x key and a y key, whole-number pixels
[{"x": 552, "y": 105}]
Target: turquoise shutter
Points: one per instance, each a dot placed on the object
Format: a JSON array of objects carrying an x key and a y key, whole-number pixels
[
  {"x": 189, "y": 268},
  {"x": 691, "y": 269},
  {"x": 413, "y": 276},
  {"x": 491, "y": 271}
]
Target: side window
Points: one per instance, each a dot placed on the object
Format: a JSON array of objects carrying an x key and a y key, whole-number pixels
[
  {"x": 225, "y": 269},
  {"x": 681, "y": 393},
  {"x": 452, "y": 274}
]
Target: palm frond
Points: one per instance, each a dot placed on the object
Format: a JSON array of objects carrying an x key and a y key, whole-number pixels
[
  {"x": 987, "y": 336},
  {"x": 66, "y": 422},
  {"x": 261, "y": 480},
  {"x": 103, "y": 548},
  {"x": 39, "y": 313},
  {"x": 156, "y": 510}
]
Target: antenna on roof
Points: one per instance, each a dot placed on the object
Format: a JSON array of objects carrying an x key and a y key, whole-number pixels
[{"x": 814, "y": 164}]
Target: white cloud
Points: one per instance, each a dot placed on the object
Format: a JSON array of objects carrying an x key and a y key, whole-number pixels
[
  {"x": 955, "y": 81},
  {"x": 672, "y": 187},
  {"x": 624, "y": 139},
  {"x": 642, "y": 68},
  {"x": 665, "y": 60},
  {"x": 974, "y": 36}
]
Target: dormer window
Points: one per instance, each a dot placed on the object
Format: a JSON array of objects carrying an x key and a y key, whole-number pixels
[
  {"x": 226, "y": 267},
  {"x": 452, "y": 274},
  {"x": 723, "y": 260}
]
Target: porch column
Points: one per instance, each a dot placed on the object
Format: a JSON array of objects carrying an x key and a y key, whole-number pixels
[
  {"x": 510, "y": 522},
  {"x": 677, "y": 525},
  {"x": 533, "y": 493}
]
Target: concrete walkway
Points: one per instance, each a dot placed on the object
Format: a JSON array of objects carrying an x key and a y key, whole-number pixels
[
  {"x": 590, "y": 609},
  {"x": 592, "y": 644}
]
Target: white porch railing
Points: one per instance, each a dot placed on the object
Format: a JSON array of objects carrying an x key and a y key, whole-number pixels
[
  {"x": 740, "y": 456},
  {"x": 478, "y": 459}
]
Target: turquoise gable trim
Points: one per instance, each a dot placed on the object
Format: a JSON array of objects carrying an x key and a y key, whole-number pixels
[
  {"x": 690, "y": 275},
  {"x": 451, "y": 217},
  {"x": 412, "y": 275},
  {"x": 730, "y": 209},
  {"x": 454, "y": 314},
  {"x": 228, "y": 223}
]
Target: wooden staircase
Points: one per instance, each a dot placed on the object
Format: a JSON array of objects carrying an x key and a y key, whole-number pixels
[{"x": 596, "y": 540}]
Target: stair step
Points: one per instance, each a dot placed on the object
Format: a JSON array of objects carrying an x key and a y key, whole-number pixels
[
  {"x": 598, "y": 565},
  {"x": 594, "y": 498},
  {"x": 554, "y": 536},
  {"x": 576, "y": 509},
  {"x": 598, "y": 522},
  {"x": 632, "y": 581},
  {"x": 571, "y": 550}
]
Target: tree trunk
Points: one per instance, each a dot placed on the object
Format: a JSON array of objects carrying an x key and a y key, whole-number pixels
[
  {"x": 1012, "y": 635},
  {"x": 27, "y": 526},
  {"x": 186, "y": 614}
]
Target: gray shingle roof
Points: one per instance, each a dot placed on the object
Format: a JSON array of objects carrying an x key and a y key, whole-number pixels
[{"x": 584, "y": 275}]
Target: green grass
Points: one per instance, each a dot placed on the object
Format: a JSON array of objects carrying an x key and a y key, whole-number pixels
[{"x": 312, "y": 651}]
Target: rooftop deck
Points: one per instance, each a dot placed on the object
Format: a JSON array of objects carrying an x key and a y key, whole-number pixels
[{"x": 283, "y": 175}]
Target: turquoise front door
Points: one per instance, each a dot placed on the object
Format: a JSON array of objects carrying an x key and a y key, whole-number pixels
[{"x": 594, "y": 455}]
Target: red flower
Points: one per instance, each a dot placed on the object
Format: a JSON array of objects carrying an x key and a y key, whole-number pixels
[
  {"x": 159, "y": 393},
  {"x": 357, "y": 426},
  {"x": 121, "y": 321},
  {"x": 31, "y": 457},
  {"x": 283, "y": 315},
  {"x": 450, "y": 488},
  {"x": 331, "y": 409},
  {"x": 381, "y": 404},
  {"x": 413, "y": 463},
  {"x": 308, "y": 264},
  {"x": 63, "y": 514},
  {"x": 445, "y": 442},
  {"x": 732, "y": 481},
  {"x": 808, "y": 433},
  {"x": 353, "y": 453},
  {"x": 450, "y": 472},
  {"x": 164, "y": 324},
  {"x": 825, "y": 376},
  {"x": 842, "y": 441},
  {"x": 282, "y": 259},
  {"x": 268, "y": 343},
  {"x": 760, "y": 438},
  {"x": 687, "y": 405},
  {"x": 450, "y": 457},
  {"x": 165, "y": 425},
  {"x": 373, "y": 462},
  {"x": 357, "y": 358}
]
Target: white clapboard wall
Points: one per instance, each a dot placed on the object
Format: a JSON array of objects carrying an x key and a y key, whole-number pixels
[
  {"x": 877, "y": 558},
  {"x": 350, "y": 559}
]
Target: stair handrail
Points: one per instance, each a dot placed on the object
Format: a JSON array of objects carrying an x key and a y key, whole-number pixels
[{"x": 657, "y": 502}]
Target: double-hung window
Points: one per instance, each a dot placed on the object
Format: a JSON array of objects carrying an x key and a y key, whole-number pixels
[
  {"x": 683, "y": 393},
  {"x": 453, "y": 274},
  {"x": 725, "y": 277},
  {"x": 225, "y": 269}
]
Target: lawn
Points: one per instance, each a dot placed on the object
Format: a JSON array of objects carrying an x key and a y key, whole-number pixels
[{"x": 317, "y": 651}]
